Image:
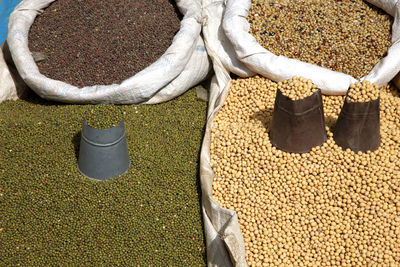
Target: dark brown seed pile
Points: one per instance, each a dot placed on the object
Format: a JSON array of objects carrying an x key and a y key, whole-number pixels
[
  {"x": 103, "y": 116},
  {"x": 347, "y": 36},
  {"x": 90, "y": 42}
]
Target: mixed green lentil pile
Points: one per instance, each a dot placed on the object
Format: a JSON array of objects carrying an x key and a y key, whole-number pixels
[
  {"x": 328, "y": 207},
  {"x": 347, "y": 36},
  {"x": 52, "y": 215}
]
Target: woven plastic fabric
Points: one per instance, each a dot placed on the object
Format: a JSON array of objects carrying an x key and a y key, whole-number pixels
[{"x": 183, "y": 65}]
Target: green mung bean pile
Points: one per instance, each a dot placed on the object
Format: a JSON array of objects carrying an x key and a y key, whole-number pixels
[
  {"x": 52, "y": 215},
  {"x": 347, "y": 36},
  {"x": 103, "y": 116}
]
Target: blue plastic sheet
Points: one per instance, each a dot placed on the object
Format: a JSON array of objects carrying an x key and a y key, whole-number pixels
[{"x": 6, "y": 7}]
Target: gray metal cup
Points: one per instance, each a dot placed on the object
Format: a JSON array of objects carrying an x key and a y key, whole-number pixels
[{"x": 103, "y": 153}]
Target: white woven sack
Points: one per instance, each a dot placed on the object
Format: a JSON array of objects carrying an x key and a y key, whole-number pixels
[
  {"x": 279, "y": 68},
  {"x": 238, "y": 52},
  {"x": 12, "y": 87},
  {"x": 224, "y": 241},
  {"x": 183, "y": 65},
  {"x": 7, "y": 86}
]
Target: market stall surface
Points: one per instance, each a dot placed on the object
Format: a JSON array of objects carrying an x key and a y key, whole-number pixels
[{"x": 50, "y": 214}]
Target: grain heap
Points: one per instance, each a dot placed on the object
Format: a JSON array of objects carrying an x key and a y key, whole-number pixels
[
  {"x": 345, "y": 36},
  {"x": 297, "y": 88},
  {"x": 363, "y": 92},
  {"x": 51, "y": 215},
  {"x": 327, "y": 207},
  {"x": 95, "y": 42},
  {"x": 103, "y": 116}
]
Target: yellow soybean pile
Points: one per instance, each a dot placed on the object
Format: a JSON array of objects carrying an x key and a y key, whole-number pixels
[
  {"x": 328, "y": 207},
  {"x": 297, "y": 88},
  {"x": 363, "y": 92}
]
